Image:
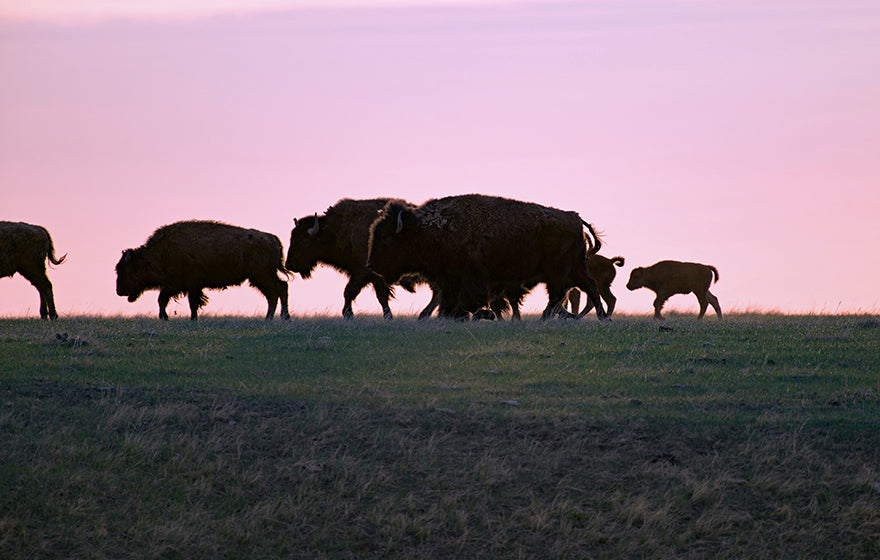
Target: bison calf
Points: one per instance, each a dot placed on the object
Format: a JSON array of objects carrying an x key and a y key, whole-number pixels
[
  {"x": 667, "y": 278},
  {"x": 188, "y": 257},
  {"x": 603, "y": 272},
  {"x": 24, "y": 248}
]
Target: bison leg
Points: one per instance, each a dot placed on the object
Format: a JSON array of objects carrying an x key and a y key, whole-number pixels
[
  {"x": 350, "y": 293},
  {"x": 498, "y": 305},
  {"x": 574, "y": 302},
  {"x": 164, "y": 297},
  {"x": 432, "y": 305},
  {"x": 609, "y": 299},
  {"x": 272, "y": 305},
  {"x": 282, "y": 295},
  {"x": 383, "y": 294},
  {"x": 273, "y": 289},
  {"x": 285, "y": 312},
  {"x": 582, "y": 279},
  {"x": 41, "y": 282},
  {"x": 709, "y": 299},
  {"x": 450, "y": 302},
  {"x": 515, "y": 297},
  {"x": 197, "y": 299},
  {"x": 555, "y": 301},
  {"x": 658, "y": 305}
]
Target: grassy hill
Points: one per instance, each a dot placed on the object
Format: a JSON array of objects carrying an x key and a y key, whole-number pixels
[{"x": 758, "y": 436}]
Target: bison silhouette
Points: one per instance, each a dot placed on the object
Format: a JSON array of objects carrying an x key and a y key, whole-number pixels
[
  {"x": 464, "y": 245},
  {"x": 25, "y": 248},
  {"x": 340, "y": 238},
  {"x": 603, "y": 272},
  {"x": 667, "y": 278},
  {"x": 185, "y": 258}
]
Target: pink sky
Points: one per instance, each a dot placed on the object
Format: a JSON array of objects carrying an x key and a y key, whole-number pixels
[{"x": 737, "y": 133}]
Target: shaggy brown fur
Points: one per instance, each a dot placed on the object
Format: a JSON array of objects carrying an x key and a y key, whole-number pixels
[
  {"x": 667, "y": 278},
  {"x": 603, "y": 272},
  {"x": 340, "y": 238},
  {"x": 24, "y": 248},
  {"x": 185, "y": 258},
  {"x": 465, "y": 244}
]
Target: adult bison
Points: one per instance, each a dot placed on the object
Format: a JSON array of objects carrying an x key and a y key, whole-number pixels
[
  {"x": 188, "y": 257},
  {"x": 340, "y": 238},
  {"x": 466, "y": 244},
  {"x": 24, "y": 248},
  {"x": 667, "y": 278},
  {"x": 603, "y": 272}
]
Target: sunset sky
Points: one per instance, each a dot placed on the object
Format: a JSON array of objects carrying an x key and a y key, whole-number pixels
[{"x": 744, "y": 134}]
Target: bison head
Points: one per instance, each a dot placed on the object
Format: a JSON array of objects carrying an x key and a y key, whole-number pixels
[
  {"x": 391, "y": 248},
  {"x": 636, "y": 279},
  {"x": 305, "y": 246},
  {"x": 134, "y": 274}
]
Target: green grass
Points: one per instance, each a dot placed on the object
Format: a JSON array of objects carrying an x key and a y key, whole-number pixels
[{"x": 758, "y": 436}]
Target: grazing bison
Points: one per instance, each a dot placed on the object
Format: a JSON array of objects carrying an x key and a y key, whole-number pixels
[
  {"x": 188, "y": 257},
  {"x": 340, "y": 238},
  {"x": 465, "y": 244},
  {"x": 667, "y": 278},
  {"x": 603, "y": 272},
  {"x": 24, "y": 248}
]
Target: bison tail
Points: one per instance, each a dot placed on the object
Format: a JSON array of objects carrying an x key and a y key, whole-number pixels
[
  {"x": 50, "y": 253},
  {"x": 618, "y": 261},
  {"x": 715, "y": 272},
  {"x": 593, "y": 245}
]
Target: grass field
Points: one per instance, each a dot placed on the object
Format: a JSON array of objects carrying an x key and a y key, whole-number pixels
[{"x": 755, "y": 437}]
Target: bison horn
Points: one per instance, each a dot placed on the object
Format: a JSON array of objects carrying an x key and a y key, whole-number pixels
[
  {"x": 399, "y": 222},
  {"x": 314, "y": 229}
]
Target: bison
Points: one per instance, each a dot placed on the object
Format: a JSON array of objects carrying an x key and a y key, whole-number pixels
[
  {"x": 340, "y": 238},
  {"x": 24, "y": 248},
  {"x": 502, "y": 298},
  {"x": 667, "y": 278},
  {"x": 465, "y": 244},
  {"x": 185, "y": 258},
  {"x": 603, "y": 272}
]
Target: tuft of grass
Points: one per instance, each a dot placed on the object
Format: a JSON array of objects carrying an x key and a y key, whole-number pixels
[{"x": 752, "y": 437}]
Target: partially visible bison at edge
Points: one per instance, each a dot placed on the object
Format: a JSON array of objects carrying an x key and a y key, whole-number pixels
[
  {"x": 667, "y": 278},
  {"x": 464, "y": 244},
  {"x": 602, "y": 271},
  {"x": 185, "y": 258},
  {"x": 340, "y": 238},
  {"x": 24, "y": 248}
]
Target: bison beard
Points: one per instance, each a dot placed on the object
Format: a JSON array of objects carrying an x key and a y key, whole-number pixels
[
  {"x": 467, "y": 244},
  {"x": 185, "y": 258},
  {"x": 25, "y": 248}
]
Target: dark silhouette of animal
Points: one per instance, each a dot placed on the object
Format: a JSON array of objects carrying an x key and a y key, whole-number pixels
[
  {"x": 185, "y": 258},
  {"x": 465, "y": 244},
  {"x": 340, "y": 238},
  {"x": 502, "y": 299},
  {"x": 603, "y": 272},
  {"x": 24, "y": 248},
  {"x": 667, "y": 278}
]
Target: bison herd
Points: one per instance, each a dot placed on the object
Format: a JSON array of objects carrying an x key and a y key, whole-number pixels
[{"x": 480, "y": 256}]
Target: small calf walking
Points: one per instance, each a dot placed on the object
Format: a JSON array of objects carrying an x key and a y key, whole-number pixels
[{"x": 667, "y": 278}]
